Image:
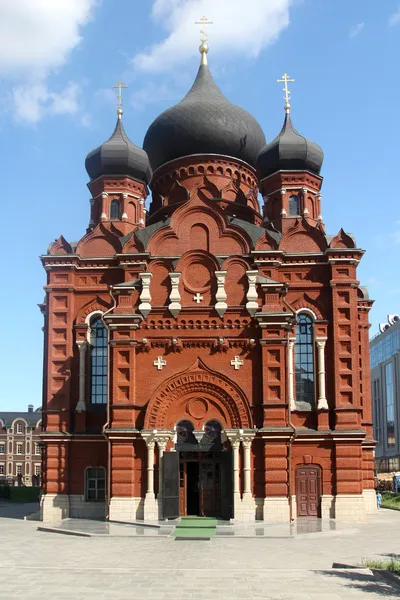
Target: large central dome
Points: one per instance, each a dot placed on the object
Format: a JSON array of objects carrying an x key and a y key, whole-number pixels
[{"x": 204, "y": 122}]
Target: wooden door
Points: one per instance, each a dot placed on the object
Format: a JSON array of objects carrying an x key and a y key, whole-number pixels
[
  {"x": 182, "y": 488},
  {"x": 308, "y": 491},
  {"x": 207, "y": 491},
  {"x": 171, "y": 485}
]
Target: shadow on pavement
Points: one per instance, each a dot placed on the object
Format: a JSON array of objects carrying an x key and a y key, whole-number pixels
[
  {"x": 17, "y": 510},
  {"x": 365, "y": 581}
]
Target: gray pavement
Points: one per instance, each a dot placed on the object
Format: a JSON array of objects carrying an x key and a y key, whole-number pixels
[{"x": 35, "y": 564}]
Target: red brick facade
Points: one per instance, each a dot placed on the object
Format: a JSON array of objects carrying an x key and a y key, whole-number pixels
[{"x": 204, "y": 328}]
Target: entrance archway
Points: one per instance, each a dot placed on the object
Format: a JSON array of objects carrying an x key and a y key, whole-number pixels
[{"x": 198, "y": 474}]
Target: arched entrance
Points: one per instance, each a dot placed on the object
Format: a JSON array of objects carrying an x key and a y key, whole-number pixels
[
  {"x": 197, "y": 407},
  {"x": 202, "y": 460},
  {"x": 308, "y": 490}
]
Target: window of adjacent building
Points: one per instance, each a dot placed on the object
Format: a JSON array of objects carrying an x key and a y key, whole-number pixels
[
  {"x": 19, "y": 469},
  {"x": 98, "y": 362},
  {"x": 37, "y": 448},
  {"x": 2, "y": 448},
  {"x": 304, "y": 361},
  {"x": 115, "y": 209},
  {"x": 19, "y": 448},
  {"x": 37, "y": 470},
  {"x": 19, "y": 428},
  {"x": 95, "y": 488},
  {"x": 10, "y": 448},
  {"x": 376, "y": 409},
  {"x": 10, "y": 468},
  {"x": 390, "y": 429},
  {"x": 294, "y": 205},
  {"x": 384, "y": 349},
  {"x": 28, "y": 447},
  {"x": 1, "y": 469}
]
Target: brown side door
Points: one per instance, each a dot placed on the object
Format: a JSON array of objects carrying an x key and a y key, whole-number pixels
[{"x": 308, "y": 491}]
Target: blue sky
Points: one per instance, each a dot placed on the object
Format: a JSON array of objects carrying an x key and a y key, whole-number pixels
[{"x": 59, "y": 60}]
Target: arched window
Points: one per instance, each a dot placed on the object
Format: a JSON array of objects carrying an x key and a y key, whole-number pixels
[
  {"x": 184, "y": 430},
  {"x": 294, "y": 205},
  {"x": 95, "y": 484},
  {"x": 304, "y": 361},
  {"x": 115, "y": 209},
  {"x": 98, "y": 362}
]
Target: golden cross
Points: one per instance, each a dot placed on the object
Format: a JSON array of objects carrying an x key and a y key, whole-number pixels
[
  {"x": 120, "y": 85},
  {"x": 285, "y": 79},
  {"x": 203, "y": 22}
]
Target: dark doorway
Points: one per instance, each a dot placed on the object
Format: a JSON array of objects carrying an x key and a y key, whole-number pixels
[
  {"x": 192, "y": 488},
  {"x": 308, "y": 484}
]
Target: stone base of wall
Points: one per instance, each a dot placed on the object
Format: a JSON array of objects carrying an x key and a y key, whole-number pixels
[
  {"x": 79, "y": 509},
  {"x": 349, "y": 507},
  {"x": 275, "y": 510},
  {"x": 54, "y": 507},
  {"x": 259, "y": 508},
  {"x": 126, "y": 509},
  {"x": 245, "y": 510},
  {"x": 327, "y": 507},
  {"x": 370, "y": 501}
]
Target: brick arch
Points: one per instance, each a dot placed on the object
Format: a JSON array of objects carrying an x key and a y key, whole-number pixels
[{"x": 204, "y": 383}]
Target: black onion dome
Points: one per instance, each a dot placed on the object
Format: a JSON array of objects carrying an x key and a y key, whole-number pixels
[
  {"x": 204, "y": 122},
  {"x": 289, "y": 151},
  {"x": 119, "y": 156}
]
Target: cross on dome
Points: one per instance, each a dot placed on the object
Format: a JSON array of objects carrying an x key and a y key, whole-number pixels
[
  {"x": 120, "y": 85},
  {"x": 203, "y": 46},
  {"x": 285, "y": 79}
]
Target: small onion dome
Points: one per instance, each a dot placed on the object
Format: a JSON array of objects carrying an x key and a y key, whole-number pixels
[
  {"x": 289, "y": 151},
  {"x": 119, "y": 156},
  {"x": 204, "y": 122}
]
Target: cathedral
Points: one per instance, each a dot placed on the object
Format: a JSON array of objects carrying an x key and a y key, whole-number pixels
[{"x": 207, "y": 355}]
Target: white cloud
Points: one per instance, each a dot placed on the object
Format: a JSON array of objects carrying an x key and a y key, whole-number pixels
[
  {"x": 239, "y": 29},
  {"x": 36, "y": 38},
  {"x": 356, "y": 30},
  {"x": 33, "y": 101},
  {"x": 395, "y": 18}
]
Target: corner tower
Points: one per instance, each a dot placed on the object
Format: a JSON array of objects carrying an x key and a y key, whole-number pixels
[
  {"x": 119, "y": 174},
  {"x": 289, "y": 171}
]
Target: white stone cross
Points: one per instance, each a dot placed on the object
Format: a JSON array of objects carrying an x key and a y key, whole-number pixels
[
  {"x": 159, "y": 363},
  {"x": 197, "y": 298},
  {"x": 236, "y": 362}
]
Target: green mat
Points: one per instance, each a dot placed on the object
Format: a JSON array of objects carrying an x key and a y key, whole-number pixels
[{"x": 195, "y": 527}]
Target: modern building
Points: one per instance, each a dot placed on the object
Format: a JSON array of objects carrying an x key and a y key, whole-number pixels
[
  {"x": 385, "y": 381},
  {"x": 20, "y": 447},
  {"x": 209, "y": 356}
]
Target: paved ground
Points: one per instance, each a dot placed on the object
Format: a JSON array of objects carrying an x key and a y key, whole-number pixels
[{"x": 36, "y": 564}]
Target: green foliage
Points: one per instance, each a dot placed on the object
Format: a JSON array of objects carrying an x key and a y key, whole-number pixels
[
  {"x": 20, "y": 494},
  {"x": 390, "y": 500},
  {"x": 388, "y": 565}
]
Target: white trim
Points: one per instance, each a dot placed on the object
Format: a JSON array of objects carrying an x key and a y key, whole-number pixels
[{"x": 310, "y": 312}]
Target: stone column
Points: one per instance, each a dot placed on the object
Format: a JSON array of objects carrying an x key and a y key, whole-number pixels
[
  {"x": 174, "y": 297},
  {"x": 291, "y": 400},
  {"x": 145, "y": 296},
  {"x": 233, "y": 435},
  {"x": 246, "y": 466},
  {"x": 220, "y": 296},
  {"x": 322, "y": 401},
  {"x": 81, "y": 405},
  {"x": 150, "y": 506},
  {"x": 252, "y": 296},
  {"x": 162, "y": 444},
  {"x": 248, "y": 509}
]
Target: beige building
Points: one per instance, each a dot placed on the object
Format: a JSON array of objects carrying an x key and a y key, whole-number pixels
[{"x": 20, "y": 451}]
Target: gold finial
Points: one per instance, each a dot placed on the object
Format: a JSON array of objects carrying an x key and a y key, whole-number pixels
[
  {"x": 203, "y": 46},
  {"x": 120, "y": 85},
  {"x": 285, "y": 79}
]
